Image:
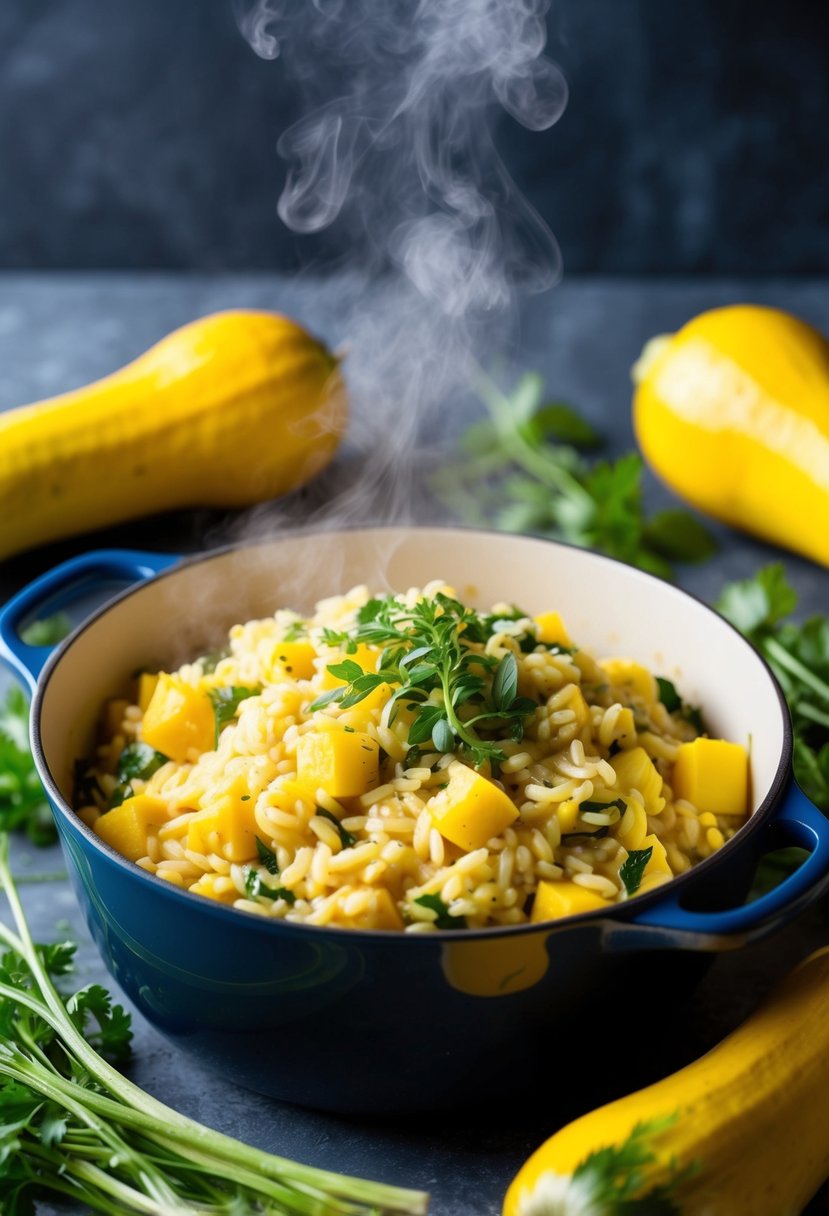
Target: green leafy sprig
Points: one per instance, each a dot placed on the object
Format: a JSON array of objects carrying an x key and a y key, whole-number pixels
[
  {"x": 798, "y": 654},
  {"x": 613, "y": 1180},
  {"x": 23, "y": 804},
  {"x": 73, "y": 1126},
  {"x": 523, "y": 469},
  {"x": 458, "y": 694}
]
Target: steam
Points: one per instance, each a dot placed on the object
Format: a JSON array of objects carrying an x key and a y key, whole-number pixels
[{"x": 395, "y": 155}]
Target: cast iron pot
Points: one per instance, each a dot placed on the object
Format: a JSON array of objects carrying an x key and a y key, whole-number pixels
[{"x": 370, "y": 1021}]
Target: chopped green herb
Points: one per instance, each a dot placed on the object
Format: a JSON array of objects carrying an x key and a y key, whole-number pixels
[
  {"x": 601, "y": 807},
  {"x": 633, "y": 868},
  {"x": 120, "y": 794},
  {"x": 668, "y": 694},
  {"x": 257, "y": 888},
  {"x": 347, "y": 839},
  {"x": 296, "y": 630},
  {"x": 266, "y": 856},
  {"x": 226, "y": 702},
  {"x": 139, "y": 760},
  {"x": 245, "y": 798},
  {"x": 444, "y": 918}
]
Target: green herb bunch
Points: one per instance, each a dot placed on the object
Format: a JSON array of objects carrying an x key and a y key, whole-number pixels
[
  {"x": 23, "y": 804},
  {"x": 432, "y": 653},
  {"x": 72, "y": 1125},
  {"x": 524, "y": 469},
  {"x": 798, "y": 654}
]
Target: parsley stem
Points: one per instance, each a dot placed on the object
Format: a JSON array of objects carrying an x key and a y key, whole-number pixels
[
  {"x": 513, "y": 443},
  {"x": 806, "y": 710},
  {"x": 775, "y": 652}
]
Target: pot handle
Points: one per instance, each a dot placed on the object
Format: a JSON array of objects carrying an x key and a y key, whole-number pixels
[
  {"x": 797, "y": 821},
  {"x": 86, "y": 571}
]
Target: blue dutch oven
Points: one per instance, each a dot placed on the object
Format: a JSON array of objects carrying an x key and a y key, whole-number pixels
[{"x": 370, "y": 1021}]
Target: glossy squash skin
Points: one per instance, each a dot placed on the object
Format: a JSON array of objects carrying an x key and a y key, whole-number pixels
[
  {"x": 230, "y": 410},
  {"x": 732, "y": 412},
  {"x": 745, "y": 1129}
]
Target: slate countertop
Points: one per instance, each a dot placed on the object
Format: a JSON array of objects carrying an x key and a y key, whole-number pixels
[{"x": 60, "y": 331}]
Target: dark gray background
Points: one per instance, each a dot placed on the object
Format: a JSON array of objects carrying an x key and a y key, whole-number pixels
[{"x": 141, "y": 134}]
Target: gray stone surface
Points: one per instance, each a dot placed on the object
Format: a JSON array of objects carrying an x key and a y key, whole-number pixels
[{"x": 57, "y": 332}]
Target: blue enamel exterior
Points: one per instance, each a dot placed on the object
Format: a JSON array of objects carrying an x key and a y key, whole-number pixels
[{"x": 348, "y": 1021}]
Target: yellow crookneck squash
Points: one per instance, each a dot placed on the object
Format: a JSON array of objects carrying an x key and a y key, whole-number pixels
[
  {"x": 732, "y": 412},
  {"x": 743, "y": 1131},
  {"x": 230, "y": 410}
]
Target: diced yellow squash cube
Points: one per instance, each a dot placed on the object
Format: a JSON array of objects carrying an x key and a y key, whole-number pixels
[
  {"x": 292, "y": 661},
  {"x": 344, "y": 763},
  {"x": 179, "y": 719},
  {"x": 126, "y": 827},
  {"x": 631, "y": 678},
  {"x": 636, "y": 771},
  {"x": 579, "y": 706},
  {"x": 218, "y": 887},
  {"x": 713, "y": 774},
  {"x": 470, "y": 809},
  {"x": 563, "y": 897},
  {"x": 550, "y": 629},
  {"x": 113, "y": 718},
  {"x": 227, "y": 826},
  {"x": 147, "y": 681},
  {"x": 658, "y": 860}
]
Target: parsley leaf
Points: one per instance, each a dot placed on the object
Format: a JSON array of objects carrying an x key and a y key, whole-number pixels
[
  {"x": 443, "y": 918},
  {"x": 257, "y": 888},
  {"x": 139, "y": 760},
  {"x": 347, "y": 839},
  {"x": 521, "y": 469},
  {"x": 104, "y": 1025},
  {"x": 226, "y": 702},
  {"x": 433, "y": 647},
  {"x": 266, "y": 856},
  {"x": 633, "y": 868},
  {"x": 22, "y": 801},
  {"x": 612, "y": 1179}
]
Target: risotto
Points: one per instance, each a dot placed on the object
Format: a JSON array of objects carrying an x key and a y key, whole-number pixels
[{"x": 408, "y": 763}]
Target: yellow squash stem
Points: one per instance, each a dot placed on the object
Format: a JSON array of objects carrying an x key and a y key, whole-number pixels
[
  {"x": 230, "y": 410},
  {"x": 732, "y": 412},
  {"x": 744, "y": 1131}
]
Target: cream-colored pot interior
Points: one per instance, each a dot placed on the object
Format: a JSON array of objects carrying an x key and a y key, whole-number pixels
[{"x": 609, "y": 609}]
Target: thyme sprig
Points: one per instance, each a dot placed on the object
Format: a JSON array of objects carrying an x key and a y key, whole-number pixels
[{"x": 432, "y": 653}]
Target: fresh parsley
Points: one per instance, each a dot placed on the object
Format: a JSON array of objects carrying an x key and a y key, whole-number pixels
[
  {"x": 139, "y": 760},
  {"x": 74, "y": 1128},
  {"x": 22, "y": 801},
  {"x": 432, "y": 653},
  {"x": 443, "y": 917},
  {"x": 226, "y": 702},
  {"x": 347, "y": 839},
  {"x": 523, "y": 469},
  {"x": 266, "y": 856},
  {"x": 674, "y": 704},
  {"x": 633, "y": 868},
  {"x": 257, "y": 888}
]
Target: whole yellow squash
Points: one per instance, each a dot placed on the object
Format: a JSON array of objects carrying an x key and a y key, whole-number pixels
[
  {"x": 230, "y": 410},
  {"x": 743, "y": 1131},
  {"x": 732, "y": 412}
]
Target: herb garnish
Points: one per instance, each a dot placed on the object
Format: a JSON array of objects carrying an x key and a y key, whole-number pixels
[
  {"x": 674, "y": 703},
  {"x": 523, "y": 470},
  {"x": 612, "y": 1179},
  {"x": 347, "y": 839},
  {"x": 444, "y": 918},
  {"x": 266, "y": 856},
  {"x": 139, "y": 760},
  {"x": 47, "y": 632},
  {"x": 73, "y": 1126},
  {"x": 226, "y": 702},
  {"x": 427, "y": 650},
  {"x": 255, "y": 887},
  {"x": 211, "y": 660},
  {"x": 633, "y": 868}
]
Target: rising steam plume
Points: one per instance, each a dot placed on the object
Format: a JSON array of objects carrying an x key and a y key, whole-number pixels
[{"x": 395, "y": 154}]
